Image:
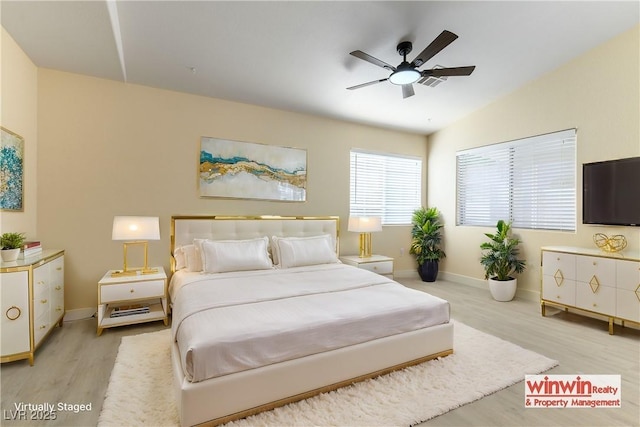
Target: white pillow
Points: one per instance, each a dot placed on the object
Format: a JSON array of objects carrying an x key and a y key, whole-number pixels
[
  {"x": 199, "y": 254},
  {"x": 180, "y": 258},
  {"x": 220, "y": 256},
  {"x": 301, "y": 251},
  {"x": 191, "y": 257}
]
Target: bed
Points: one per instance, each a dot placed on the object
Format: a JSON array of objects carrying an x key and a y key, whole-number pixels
[{"x": 264, "y": 314}]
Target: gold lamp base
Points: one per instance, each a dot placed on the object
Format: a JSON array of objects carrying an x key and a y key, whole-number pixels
[
  {"x": 365, "y": 245},
  {"x": 128, "y": 271}
]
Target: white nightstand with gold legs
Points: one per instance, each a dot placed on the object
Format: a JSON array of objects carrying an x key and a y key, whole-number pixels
[
  {"x": 377, "y": 263},
  {"x": 118, "y": 294}
]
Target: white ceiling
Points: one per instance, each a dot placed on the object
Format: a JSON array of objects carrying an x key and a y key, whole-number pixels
[{"x": 294, "y": 55}]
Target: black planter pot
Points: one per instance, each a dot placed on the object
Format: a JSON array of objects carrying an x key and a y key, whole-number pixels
[{"x": 428, "y": 271}]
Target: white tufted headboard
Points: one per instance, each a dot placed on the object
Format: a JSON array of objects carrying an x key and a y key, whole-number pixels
[{"x": 186, "y": 228}]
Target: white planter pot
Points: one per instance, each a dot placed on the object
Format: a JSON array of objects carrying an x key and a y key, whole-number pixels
[
  {"x": 503, "y": 290},
  {"x": 9, "y": 255}
]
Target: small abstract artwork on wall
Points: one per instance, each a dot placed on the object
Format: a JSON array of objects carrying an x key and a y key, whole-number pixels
[
  {"x": 248, "y": 170},
  {"x": 11, "y": 171}
]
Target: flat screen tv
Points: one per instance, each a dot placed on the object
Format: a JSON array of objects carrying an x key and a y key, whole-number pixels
[{"x": 611, "y": 192}]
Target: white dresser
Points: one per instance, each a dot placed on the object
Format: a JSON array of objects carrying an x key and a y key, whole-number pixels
[
  {"x": 32, "y": 303},
  {"x": 593, "y": 281}
]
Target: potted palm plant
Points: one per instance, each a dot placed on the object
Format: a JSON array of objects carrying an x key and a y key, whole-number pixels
[
  {"x": 501, "y": 263},
  {"x": 11, "y": 244},
  {"x": 426, "y": 239}
]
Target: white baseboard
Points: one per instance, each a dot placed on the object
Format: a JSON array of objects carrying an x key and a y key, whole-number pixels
[{"x": 79, "y": 314}]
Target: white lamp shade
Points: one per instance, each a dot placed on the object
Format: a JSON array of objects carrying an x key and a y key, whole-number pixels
[
  {"x": 365, "y": 224},
  {"x": 136, "y": 228}
]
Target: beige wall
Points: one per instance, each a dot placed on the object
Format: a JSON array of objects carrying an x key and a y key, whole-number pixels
[
  {"x": 108, "y": 148},
  {"x": 598, "y": 93},
  {"x": 18, "y": 92}
]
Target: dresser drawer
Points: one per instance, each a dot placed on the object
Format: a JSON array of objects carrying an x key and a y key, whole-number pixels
[
  {"x": 558, "y": 263},
  {"x": 602, "y": 301},
  {"x": 41, "y": 326},
  {"x": 132, "y": 291},
  {"x": 595, "y": 269},
  {"x": 565, "y": 293},
  {"x": 628, "y": 305},
  {"x": 380, "y": 267},
  {"x": 628, "y": 274},
  {"x": 40, "y": 304},
  {"x": 56, "y": 270}
]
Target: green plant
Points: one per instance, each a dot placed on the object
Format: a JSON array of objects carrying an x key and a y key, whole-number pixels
[
  {"x": 12, "y": 240},
  {"x": 500, "y": 260},
  {"x": 426, "y": 236}
]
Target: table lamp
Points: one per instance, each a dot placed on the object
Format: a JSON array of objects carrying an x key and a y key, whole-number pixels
[
  {"x": 135, "y": 231},
  {"x": 365, "y": 225}
]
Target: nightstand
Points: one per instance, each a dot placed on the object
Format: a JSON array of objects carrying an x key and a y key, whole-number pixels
[
  {"x": 126, "y": 300},
  {"x": 377, "y": 263}
]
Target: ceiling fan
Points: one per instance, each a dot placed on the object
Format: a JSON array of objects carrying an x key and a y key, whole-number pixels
[{"x": 407, "y": 73}]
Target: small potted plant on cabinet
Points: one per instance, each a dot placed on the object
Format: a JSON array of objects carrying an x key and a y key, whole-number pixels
[
  {"x": 11, "y": 244},
  {"x": 500, "y": 262},
  {"x": 425, "y": 242}
]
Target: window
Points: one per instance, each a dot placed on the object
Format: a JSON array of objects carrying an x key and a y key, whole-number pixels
[
  {"x": 530, "y": 182},
  {"x": 385, "y": 185}
]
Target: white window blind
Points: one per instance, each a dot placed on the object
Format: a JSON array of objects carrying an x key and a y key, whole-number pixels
[
  {"x": 385, "y": 185},
  {"x": 530, "y": 182}
]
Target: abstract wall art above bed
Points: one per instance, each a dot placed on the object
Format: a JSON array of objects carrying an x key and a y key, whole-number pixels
[{"x": 247, "y": 170}]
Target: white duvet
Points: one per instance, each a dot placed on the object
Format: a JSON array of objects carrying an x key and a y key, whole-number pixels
[{"x": 230, "y": 322}]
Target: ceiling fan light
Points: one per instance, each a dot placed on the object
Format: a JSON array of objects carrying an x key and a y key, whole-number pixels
[{"x": 404, "y": 77}]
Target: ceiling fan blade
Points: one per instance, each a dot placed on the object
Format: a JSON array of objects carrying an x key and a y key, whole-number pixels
[
  {"x": 367, "y": 84},
  {"x": 375, "y": 61},
  {"x": 443, "y": 40},
  {"x": 446, "y": 72},
  {"x": 407, "y": 91}
]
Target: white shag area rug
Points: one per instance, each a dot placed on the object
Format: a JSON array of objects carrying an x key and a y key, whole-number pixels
[{"x": 141, "y": 391}]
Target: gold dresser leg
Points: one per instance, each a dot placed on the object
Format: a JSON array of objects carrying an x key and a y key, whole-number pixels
[{"x": 611, "y": 326}]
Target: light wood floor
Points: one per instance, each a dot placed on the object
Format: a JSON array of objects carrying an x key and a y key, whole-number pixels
[{"x": 73, "y": 365}]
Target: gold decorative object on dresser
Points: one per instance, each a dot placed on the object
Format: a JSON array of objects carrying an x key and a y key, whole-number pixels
[
  {"x": 602, "y": 283},
  {"x": 125, "y": 300},
  {"x": 32, "y": 302},
  {"x": 614, "y": 243}
]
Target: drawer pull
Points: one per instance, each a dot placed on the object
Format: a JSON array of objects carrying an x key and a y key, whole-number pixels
[
  {"x": 594, "y": 283},
  {"x": 40, "y": 282},
  {"x": 58, "y": 287},
  {"x": 43, "y": 327},
  {"x": 59, "y": 268},
  {"x": 375, "y": 267},
  {"x": 595, "y": 305},
  {"x": 58, "y": 308},
  {"x": 558, "y": 297},
  {"x": 595, "y": 263},
  {"x": 132, "y": 291},
  {"x": 13, "y": 308},
  {"x": 43, "y": 301}
]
